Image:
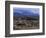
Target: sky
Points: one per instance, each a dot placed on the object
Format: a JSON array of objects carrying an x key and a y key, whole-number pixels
[{"x": 26, "y": 11}]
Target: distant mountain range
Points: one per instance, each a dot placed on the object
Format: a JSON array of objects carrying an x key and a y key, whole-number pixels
[
  {"x": 19, "y": 14},
  {"x": 26, "y": 13}
]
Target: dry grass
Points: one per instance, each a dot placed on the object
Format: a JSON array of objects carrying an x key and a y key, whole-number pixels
[{"x": 26, "y": 24}]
